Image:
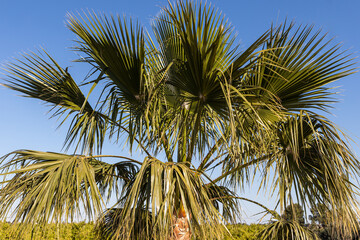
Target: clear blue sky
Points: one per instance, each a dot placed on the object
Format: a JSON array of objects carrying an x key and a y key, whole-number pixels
[{"x": 28, "y": 25}]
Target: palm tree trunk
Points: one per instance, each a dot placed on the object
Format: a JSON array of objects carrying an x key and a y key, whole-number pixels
[
  {"x": 181, "y": 229},
  {"x": 181, "y": 226}
]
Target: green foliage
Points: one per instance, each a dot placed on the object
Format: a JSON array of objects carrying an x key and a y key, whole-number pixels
[
  {"x": 86, "y": 231},
  {"x": 245, "y": 232},
  {"x": 289, "y": 226},
  {"x": 286, "y": 230},
  {"x": 294, "y": 212},
  {"x": 70, "y": 231},
  {"x": 323, "y": 225}
]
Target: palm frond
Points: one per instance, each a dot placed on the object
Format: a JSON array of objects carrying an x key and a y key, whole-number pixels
[
  {"x": 112, "y": 178},
  {"x": 117, "y": 48},
  {"x": 202, "y": 94},
  {"x": 160, "y": 190},
  {"x": 39, "y": 76},
  {"x": 298, "y": 63},
  {"x": 225, "y": 201},
  {"x": 316, "y": 165},
  {"x": 43, "y": 187},
  {"x": 110, "y": 221}
]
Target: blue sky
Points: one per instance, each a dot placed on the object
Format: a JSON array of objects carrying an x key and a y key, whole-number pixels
[{"x": 28, "y": 25}]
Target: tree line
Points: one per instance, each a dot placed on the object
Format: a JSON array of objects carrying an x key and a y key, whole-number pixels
[{"x": 320, "y": 226}]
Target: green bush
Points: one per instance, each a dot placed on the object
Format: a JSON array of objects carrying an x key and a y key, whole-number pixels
[
  {"x": 69, "y": 231},
  {"x": 85, "y": 231},
  {"x": 244, "y": 232}
]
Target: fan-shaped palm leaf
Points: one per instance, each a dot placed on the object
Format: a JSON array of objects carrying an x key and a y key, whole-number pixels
[
  {"x": 299, "y": 64},
  {"x": 51, "y": 187},
  {"x": 41, "y": 77}
]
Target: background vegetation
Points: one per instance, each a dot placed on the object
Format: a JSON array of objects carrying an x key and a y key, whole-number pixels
[
  {"x": 84, "y": 231},
  {"x": 69, "y": 231}
]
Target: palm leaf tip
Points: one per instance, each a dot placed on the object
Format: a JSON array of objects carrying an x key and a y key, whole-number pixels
[
  {"x": 115, "y": 46},
  {"x": 40, "y": 76},
  {"x": 299, "y": 63}
]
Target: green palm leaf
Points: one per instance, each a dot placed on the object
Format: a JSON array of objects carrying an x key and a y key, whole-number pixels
[
  {"x": 298, "y": 65},
  {"x": 51, "y": 187},
  {"x": 48, "y": 187},
  {"x": 41, "y": 77},
  {"x": 116, "y": 48},
  {"x": 315, "y": 164}
]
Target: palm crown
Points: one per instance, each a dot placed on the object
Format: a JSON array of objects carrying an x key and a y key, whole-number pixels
[{"x": 191, "y": 102}]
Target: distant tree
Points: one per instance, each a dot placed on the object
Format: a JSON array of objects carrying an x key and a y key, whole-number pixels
[
  {"x": 289, "y": 226},
  {"x": 320, "y": 220},
  {"x": 320, "y": 215},
  {"x": 294, "y": 213},
  {"x": 323, "y": 226}
]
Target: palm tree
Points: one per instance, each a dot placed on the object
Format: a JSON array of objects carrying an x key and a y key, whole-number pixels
[{"x": 190, "y": 102}]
